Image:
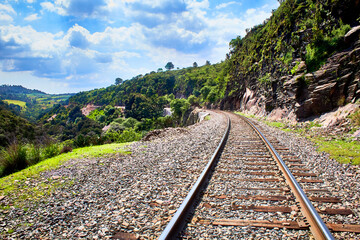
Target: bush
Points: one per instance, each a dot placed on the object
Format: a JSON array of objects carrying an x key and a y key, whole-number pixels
[
  {"x": 35, "y": 155},
  {"x": 81, "y": 141},
  {"x": 66, "y": 149},
  {"x": 13, "y": 159},
  {"x": 129, "y": 135},
  {"x": 130, "y": 122},
  {"x": 51, "y": 150}
]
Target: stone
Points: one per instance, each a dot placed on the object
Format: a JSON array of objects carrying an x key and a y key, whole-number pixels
[{"x": 352, "y": 35}]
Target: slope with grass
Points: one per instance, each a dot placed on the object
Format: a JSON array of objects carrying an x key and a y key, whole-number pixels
[{"x": 17, "y": 188}]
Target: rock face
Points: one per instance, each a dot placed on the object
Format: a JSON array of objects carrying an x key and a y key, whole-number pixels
[{"x": 302, "y": 94}]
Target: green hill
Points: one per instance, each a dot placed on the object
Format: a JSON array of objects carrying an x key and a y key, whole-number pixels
[
  {"x": 30, "y": 104},
  {"x": 14, "y": 128}
]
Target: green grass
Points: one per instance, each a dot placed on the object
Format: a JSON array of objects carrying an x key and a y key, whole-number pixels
[
  {"x": 16, "y": 102},
  {"x": 340, "y": 150},
  {"x": 207, "y": 118},
  {"x": 16, "y": 187}
]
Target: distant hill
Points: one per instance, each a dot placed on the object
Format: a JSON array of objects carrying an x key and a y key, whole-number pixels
[
  {"x": 18, "y": 89},
  {"x": 30, "y": 103},
  {"x": 15, "y": 128}
]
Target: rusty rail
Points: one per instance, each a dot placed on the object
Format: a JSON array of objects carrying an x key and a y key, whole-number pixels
[
  {"x": 317, "y": 226},
  {"x": 178, "y": 220}
]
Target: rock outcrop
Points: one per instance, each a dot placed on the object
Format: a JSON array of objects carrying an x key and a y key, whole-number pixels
[{"x": 303, "y": 94}]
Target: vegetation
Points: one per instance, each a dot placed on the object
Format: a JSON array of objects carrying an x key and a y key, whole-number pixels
[
  {"x": 30, "y": 104},
  {"x": 15, "y": 184},
  {"x": 16, "y": 102},
  {"x": 207, "y": 83},
  {"x": 299, "y": 30},
  {"x": 15, "y": 128},
  {"x": 341, "y": 150}
]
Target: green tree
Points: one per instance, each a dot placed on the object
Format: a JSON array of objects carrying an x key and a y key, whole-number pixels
[
  {"x": 179, "y": 107},
  {"x": 169, "y": 66},
  {"x": 118, "y": 81},
  {"x": 195, "y": 65}
]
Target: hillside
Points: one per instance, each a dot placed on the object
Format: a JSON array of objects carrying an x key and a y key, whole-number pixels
[
  {"x": 15, "y": 128},
  {"x": 207, "y": 83},
  {"x": 30, "y": 103},
  {"x": 298, "y": 62}
]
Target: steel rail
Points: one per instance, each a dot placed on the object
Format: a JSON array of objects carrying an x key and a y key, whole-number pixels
[
  {"x": 317, "y": 226},
  {"x": 178, "y": 220}
]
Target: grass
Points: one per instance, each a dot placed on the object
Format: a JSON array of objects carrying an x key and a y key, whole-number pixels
[
  {"x": 16, "y": 186},
  {"x": 343, "y": 151},
  {"x": 340, "y": 150},
  {"x": 16, "y": 102},
  {"x": 207, "y": 118}
]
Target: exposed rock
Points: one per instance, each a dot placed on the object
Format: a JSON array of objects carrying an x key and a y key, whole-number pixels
[
  {"x": 352, "y": 35},
  {"x": 332, "y": 118},
  {"x": 88, "y": 109},
  {"x": 301, "y": 67}
]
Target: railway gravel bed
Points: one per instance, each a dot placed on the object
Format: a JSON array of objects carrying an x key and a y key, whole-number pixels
[
  {"x": 132, "y": 194},
  {"x": 232, "y": 189},
  {"x": 341, "y": 180}
]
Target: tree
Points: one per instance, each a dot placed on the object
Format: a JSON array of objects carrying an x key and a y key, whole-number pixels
[
  {"x": 159, "y": 70},
  {"x": 195, "y": 65},
  {"x": 207, "y": 63},
  {"x": 169, "y": 66},
  {"x": 118, "y": 81}
]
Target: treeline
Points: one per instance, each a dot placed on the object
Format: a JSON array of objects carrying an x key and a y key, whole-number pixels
[{"x": 207, "y": 83}]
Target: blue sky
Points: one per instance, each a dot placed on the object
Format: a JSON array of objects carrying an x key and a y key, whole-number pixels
[{"x": 63, "y": 46}]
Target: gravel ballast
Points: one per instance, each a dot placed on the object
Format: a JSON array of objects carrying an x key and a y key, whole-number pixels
[
  {"x": 136, "y": 193},
  {"x": 140, "y": 192}
]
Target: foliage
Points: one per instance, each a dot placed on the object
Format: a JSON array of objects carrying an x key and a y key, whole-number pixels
[
  {"x": 169, "y": 66},
  {"x": 299, "y": 29},
  {"x": 179, "y": 107},
  {"x": 30, "y": 104},
  {"x": 140, "y": 106},
  {"x": 12, "y": 186},
  {"x": 15, "y": 128},
  {"x": 128, "y": 135},
  {"x": 118, "y": 81},
  {"x": 14, "y": 158},
  {"x": 169, "y": 84}
]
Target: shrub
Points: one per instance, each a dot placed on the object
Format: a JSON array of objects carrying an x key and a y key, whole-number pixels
[
  {"x": 35, "y": 156},
  {"x": 66, "y": 149},
  {"x": 13, "y": 159},
  {"x": 129, "y": 135},
  {"x": 81, "y": 141},
  {"x": 51, "y": 150},
  {"x": 130, "y": 122}
]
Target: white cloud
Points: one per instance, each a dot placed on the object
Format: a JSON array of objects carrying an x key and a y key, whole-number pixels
[
  {"x": 7, "y": 8},
  {"x": 224, "y": 5},
  {"x": 56, "y": 8},
  {"x": 6, "y": 13},
  {"x": 5, "y": 18},
  {"x": 32, "y": 17}
]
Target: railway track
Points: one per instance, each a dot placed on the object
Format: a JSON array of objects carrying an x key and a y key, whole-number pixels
[{"x": 255, "y": 188}]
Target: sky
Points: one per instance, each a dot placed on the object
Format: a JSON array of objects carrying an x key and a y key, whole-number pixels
[{"x": 67, "y": 46}]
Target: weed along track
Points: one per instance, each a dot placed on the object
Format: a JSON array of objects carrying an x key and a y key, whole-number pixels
[{"x": 258, "y": 189}]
